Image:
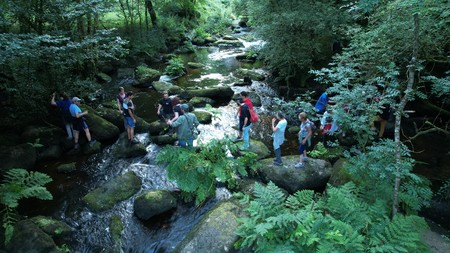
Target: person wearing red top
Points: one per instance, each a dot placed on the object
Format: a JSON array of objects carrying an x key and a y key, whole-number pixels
[{"x": 246, "y": 100}]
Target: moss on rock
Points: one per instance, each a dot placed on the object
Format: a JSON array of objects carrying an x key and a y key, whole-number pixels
[
  {"x": 145, "y": 75},
  {"x": 153, "y": 203},
  {"x": 52, "y": 227},
  {"x": 203, "y": 117}
]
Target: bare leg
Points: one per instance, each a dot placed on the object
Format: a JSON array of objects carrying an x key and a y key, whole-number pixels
[
  {"x": 76, "y": 135},
  {"x": 88, "y": 134}
]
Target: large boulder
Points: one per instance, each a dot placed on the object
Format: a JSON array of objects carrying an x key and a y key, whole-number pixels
[
  {"x": 165, "y": 139},
  {"x": 112, "y": 115},
  {"x": 339, "y": 175},
  {"x": 67, "y": 167},
  {"x": 29, "y": 238},
  {"x": 228, "y": 43},
  {"x": 158, "y": 128},
  {"x": 175, "y": 89},
  {"x": 160, "y": 86},
  {"x": 43, "y": 135},
  {"x": 145, "y": 75},
  {"x": 218, "y": 93},
  {"x": 195, "y": 65},
  {"x": 124, "y": 149},
  {"x": 20, "y": 156},
  {"x": 215, "y": 232},
  {"x": 92, "y": 148},
  {"x": 103, "y": 78},
  {"x": 113, "y": 192},
  {"x": 201, "y": 101},
  {"x": 314, "y": 175},
  {"x": 153, "y": 203},
  {"x": 203, "y": 116},
  {"x": 241, "y": 73},
  {"x": 259, "y": 148},
  {"x": 100, "y": 129},
  {"x": 142, "y": 126},
  {"x": 50, "y": 153},
  {"x": 52, "y": 227},
  {"x": 116, "y": 228}
]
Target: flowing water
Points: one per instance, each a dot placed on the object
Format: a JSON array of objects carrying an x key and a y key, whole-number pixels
[{"x": 92, "y": 230}]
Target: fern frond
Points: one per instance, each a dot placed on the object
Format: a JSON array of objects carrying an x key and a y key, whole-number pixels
[{"x": 300, "y": 199}]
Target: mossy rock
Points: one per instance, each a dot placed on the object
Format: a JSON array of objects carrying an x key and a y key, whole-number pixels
[
  {"x": 90, "y": 149},
  {"x": 242, "y": 73},
  {"x": 112, "y": 114},
  {"x": 259, "y": 148},
  {"x": 142, "y": 126},
  {"x": 215, "y": 232},
  {"x": 161, "y": 86},
  {"x": 50, "y": 153},
  {"x": 314, "y": 175},
  {"x": 116, "y": 228},
  {"x": 103, "y": 78},
  {"x": 175, "y": 89},
  {"x": 219, "y": 93},
  {"x": 164, "y": 139},
  {"x": 19, "y": 156},
  {"x": 100, "y": 129},
  {"x": 203, "y": 117},
  {"x": 47, "y": 136},
  {"x": 52, "y": 227},
  {"x": 201, "y": 101},
  {"x": 67, "y": 167},
  {"x": 195, "y": 65},
  {"x": 113, "y": 192},
  {"x": 28, "y": 237},
  {"x": 153, "y": 203},
  {"x": 124, "y": 149},
  {"x": 340, "y": 175},
  {"x": 228, "y": 43},
  {"x": 158, "y": 128},
  {"x": 145, "y": 75}
]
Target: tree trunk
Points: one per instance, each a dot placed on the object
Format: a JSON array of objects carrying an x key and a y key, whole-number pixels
[
  {"x": 151, "y": 11},
  {"x": 399, "y": 113}
]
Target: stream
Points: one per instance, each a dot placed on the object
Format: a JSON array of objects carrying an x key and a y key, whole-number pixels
[{"x": 92, "y": 231}]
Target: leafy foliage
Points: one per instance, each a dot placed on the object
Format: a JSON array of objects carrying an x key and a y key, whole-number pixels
[
  {"x": 197, "y": 171},
  {"x": 292, "y": 108},
  {"x": 19, "y": 184},
  {"x": 320, "y": 151},
  {"x": 175, "y": 67},
  {"x": 340, "y": 221},
  {"x": 444, "y": 192}
]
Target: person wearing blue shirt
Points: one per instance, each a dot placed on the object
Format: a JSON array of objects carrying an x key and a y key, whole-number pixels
[
  {"x": 278, "y": 137},
  {"x": 79, "y": 124},
  {"x": 63, "y": 104},
  {"x": 322, "y": 103}
]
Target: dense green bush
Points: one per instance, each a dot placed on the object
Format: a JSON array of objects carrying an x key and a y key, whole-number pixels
[
  {"x": 175, "y": 67},
  {"x": 197, "y": 171}
]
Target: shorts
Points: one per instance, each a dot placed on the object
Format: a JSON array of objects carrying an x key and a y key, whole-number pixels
[
  {"x": 130, "y": 122},
  {"x": 79, "y": 124},
  {"x": 302, "y": 147}
]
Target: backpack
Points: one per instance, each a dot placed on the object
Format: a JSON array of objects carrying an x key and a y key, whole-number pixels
[
  {"x": 313, "y": 126},
  {"x": 253, "y": 116}
]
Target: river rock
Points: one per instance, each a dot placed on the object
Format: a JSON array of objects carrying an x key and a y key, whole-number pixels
[
  {"x": 113, "y": 192},
  {"x": 112, "y": 114},
  {"x": 215, "y": 232},
  {"x": 161, "y": 86},
  {"x": 175, "y": 90},
  {"x": 241, "y": 73},
  {"x": 103, "y": 78},
  {"x": 229, "y": 37},
  {"x": 125, "y": 73},
  {"x": 153, "y": 203},
  {"x": 142, "y": 126},
  {"x": 259, "y": 148},
  {"x": 43, "y": 135},
  {"x": 218, "y": 93},
  {"x": 92, "y": 148},
  {"x": 203, "y": 117},
  {"x": 201, "y": 101},
  {"x": 50, "y": 153},
  {"x": 100, "y": 129},
  {"x": 195, "y": 65},
  {"x": 158, "y": 128},
  {"x": 228, "y": 43},
  {"x": 164, "y": 139},
  {"x": 314, "y": 175},
  {"x": 66, "y": 168},
  {"x": 145, "y": 75},
  {"x": 29, "y": 238},
  {"x": 339, "y": 175},
  {"x": 123, "y": 148},
  {"x": 20, "y": 156},
  {"x": 116, "y": 228},
  {"x": 52, "y": 227}
]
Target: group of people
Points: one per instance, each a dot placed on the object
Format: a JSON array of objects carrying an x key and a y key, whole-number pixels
[{"x": 73, "y": 117}]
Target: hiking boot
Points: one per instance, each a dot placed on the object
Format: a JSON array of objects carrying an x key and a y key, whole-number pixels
[
  {"x": 239, "y": 138},
  {"x": 92, "y": 142},
  {"x": 77, "y": 146},
  {"x": 299, "y": 165},
  {"x": 134, "y": 141}
]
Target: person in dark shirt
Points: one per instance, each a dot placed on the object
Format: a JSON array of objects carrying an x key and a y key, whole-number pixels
[
  {"x": 64, "y": 104},
  {"x": 245, "y": 119},
  {"x": 165, "y": 108},
  {"x": 176, "y": 108}
]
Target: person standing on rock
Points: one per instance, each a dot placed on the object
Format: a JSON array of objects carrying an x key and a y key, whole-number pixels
[
  {"x": 165, "y": 108},
  {"x": 245, "y": 100},
  {"x": 128, "y": 113},
  {"x": 304, "y": 135},
  {"x": 246, "y": 124},
  {"x": 278, "y": 137},
  {"x": 186, "y": 126},
  {"x": 78, "y": 121},
  {"x": 322, "y": 103},
  {"x": 120, "y": 97},
  {"x": 64, "y": 104}
]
